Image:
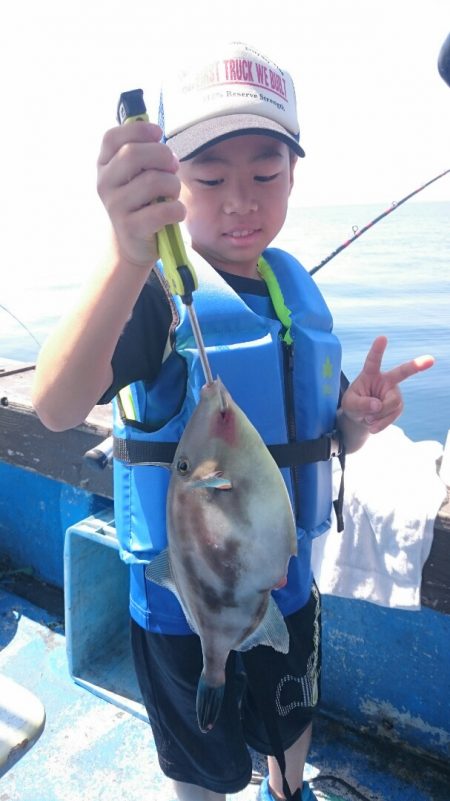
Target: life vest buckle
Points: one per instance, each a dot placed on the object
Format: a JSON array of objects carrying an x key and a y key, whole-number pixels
[{"x": 335, "y": 442}]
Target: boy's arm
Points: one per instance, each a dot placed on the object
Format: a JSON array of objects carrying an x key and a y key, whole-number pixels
[
  {"x": 74, "y": 366},
  {"x": 373, "y": 400}
]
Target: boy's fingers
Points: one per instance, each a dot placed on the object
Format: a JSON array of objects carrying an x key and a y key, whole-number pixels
[
  {"x": 374, "y": 358},
  {"x": 406, "y": 370},
  {"x": 133, "y": 159},
  {"x": 116, "y": 137},
  {"x": 141, "y": 222},
  {"x": 144, "y": 189},
  {"x": 360, "y": 406},
  {"x": 375, "y": 425},
  {"x": 375, "y": 355}
]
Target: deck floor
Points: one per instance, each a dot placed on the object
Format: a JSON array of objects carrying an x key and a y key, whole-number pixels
[{"x": 89, "y": 747}]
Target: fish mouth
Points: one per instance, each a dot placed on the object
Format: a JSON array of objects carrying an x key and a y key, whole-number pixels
[{"x": 217, "y": 388}]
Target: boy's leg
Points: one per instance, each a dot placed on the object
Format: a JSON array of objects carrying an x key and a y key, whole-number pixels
[
  {"x": 203, "y": 767},
  {"x": 282, "y": 695},
  {"x": 189, "y": 792},
  {"x": 295, "y": 757}
]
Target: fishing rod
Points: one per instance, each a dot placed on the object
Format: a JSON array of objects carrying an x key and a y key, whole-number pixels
[
  {"x": 20, "y": 323},
  {"x": 360, "y": 231},
  {"x": 179, "y": 272}
]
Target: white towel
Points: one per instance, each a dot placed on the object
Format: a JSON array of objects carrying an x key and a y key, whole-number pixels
[{"x": 392, "y": 496}]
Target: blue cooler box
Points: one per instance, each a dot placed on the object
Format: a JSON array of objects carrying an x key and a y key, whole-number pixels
[{"x": 96, "y": 584}]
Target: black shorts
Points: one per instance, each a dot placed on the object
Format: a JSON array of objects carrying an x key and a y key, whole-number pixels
[{"x": 168, "y": 669}]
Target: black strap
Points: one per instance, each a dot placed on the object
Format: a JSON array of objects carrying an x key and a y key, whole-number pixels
[
  {"x": 135, "y": 452},
  {"x": 339, "y": 502},
  {"x": 285, "y": 455}
]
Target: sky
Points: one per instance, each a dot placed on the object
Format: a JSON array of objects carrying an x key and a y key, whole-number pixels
[{"x": 374, "y": 112}]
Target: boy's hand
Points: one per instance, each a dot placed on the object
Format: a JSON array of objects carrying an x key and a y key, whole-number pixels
[
  {"x": 134, "y": 170},
  {"x": 374, "y": 399}
]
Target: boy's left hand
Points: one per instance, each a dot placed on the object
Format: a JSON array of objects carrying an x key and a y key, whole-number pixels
[{"x": 374, "y": 399}]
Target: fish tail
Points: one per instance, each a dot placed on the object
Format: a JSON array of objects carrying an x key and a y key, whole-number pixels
[{"x": 209, "y": 704}]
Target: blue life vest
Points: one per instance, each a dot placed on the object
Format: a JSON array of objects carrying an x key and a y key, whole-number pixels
[{"x": 283, "y": 373}]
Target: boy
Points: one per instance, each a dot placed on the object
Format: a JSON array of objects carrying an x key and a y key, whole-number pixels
[{"x": 227, "y": 167}]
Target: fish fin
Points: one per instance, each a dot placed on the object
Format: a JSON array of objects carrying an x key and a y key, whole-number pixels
[
  {"x": 160, "y": 572},
  {"x": 208, "y": 704},
  {"x": 213, "y": 481},
  {"x": 271, "y": 631}
]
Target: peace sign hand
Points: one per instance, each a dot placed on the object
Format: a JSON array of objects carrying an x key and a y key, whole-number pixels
[{"x": 373, "y": 400}]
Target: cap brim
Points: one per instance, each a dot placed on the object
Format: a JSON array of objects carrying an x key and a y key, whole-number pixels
[{"x": 193, "y": 140}]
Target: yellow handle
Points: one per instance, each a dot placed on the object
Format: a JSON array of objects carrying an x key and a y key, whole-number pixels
[
  {"x": 173, "y": 255},
  {"x": 169, "y": 240}
]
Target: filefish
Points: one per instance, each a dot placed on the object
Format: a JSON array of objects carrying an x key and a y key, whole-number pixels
[{"x": 231, "y": 533}]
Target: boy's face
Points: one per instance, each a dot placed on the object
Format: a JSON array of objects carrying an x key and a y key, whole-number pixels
[{"x": 236, "y": 196}]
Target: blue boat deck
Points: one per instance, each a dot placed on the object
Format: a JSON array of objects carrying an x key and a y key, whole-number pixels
[
  {"x": 93, "y": 750},
  {"x": 386, "y": 671}
]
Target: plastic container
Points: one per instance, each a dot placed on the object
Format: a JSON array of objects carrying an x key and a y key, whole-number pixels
[{"x": 96, "y": 584}]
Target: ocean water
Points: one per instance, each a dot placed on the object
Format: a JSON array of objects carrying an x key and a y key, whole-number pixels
[{"x": 393, "y": 280}]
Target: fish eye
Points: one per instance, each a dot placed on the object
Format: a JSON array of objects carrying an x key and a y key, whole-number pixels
[{"x": 183, "y": 467}]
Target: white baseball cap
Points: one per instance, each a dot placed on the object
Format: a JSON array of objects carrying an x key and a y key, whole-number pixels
[{"x": 237, "y": 91}]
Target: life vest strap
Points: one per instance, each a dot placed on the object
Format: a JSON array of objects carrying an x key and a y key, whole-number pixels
[{"x": 135, "y": 452}]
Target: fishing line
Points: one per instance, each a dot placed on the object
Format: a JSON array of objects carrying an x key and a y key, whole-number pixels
[
  {"x": 335, "y": 780},
  {"x": 360, "y": 231},
  {"x": 20, "y": 323}
]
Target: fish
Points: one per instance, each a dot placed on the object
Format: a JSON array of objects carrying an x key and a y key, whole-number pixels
[{"x": 231, "y": 533}]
